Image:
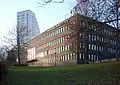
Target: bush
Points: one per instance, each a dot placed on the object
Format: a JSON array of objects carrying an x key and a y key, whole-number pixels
[
  {"x": 20, "y": 65},
  {"x": 3, "y": 70}
]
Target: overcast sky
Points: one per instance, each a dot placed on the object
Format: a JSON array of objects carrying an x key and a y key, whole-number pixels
[{"x": 47, "y": 16}]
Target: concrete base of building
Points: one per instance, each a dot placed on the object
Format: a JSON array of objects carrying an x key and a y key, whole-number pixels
[{"x": 67, "y": 63}]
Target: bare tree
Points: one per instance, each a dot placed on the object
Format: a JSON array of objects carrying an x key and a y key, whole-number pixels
[
  {"x": 45, "y": 2},
  {"x": 3, "y": 52},
  {"x": 101, "y": 10},
  {"x": 3, "y": 64},
  {"x": 13, "y": 41},
  {"x": 106, "y": 11}
]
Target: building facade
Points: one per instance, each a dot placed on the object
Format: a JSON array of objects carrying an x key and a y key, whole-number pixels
[
  {"x": 27, "y": 25},
  {"x": 75, "y": 40}
]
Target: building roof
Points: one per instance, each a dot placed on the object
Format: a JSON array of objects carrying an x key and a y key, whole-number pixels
[{"x": 26, "y": 11}]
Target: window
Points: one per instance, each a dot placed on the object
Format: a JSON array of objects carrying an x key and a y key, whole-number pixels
[
  {"x": 63, "y": 38},
  {"x": 80, "y": 55},
  {"x": 102, "y": 48},
  {"x": 68, "y": 28},
  {"x": 58, "y": 30},
  {"x": 48, "y": 35},
  {"x": 71, "y": 56},
  {"x": 68, "y": 37},
  {"x": 83, "y": 24},
  {"x": 66, "y": 47},
  {"x": 63, "y": 29},
  {"x": 59, "y": 49},
  {"x": 83, "y": 35},
  {"x": 95, "y": 38},
  {"x": 94, "y": 47},
  {"x": 18, "y": 22},
  {"x": 80, "y": 45},
  {"x": 92, "y": 57},
  {"x": 63, "y": 48},
  {"x": 54, "y": 32},
  {"x": 99, "y": 48},
  {"x": 80, "y": 34},
  {"x": 89, "y": 46},
  {"x": 65, "y": 57},
  {"x": 102, "y": 40},
  {"x": 60, "y": 39},
  {"x": 83, "y": 45},
  {"x": 89, "y": 57},
  {"x": 83, "y": 55},
  {"x": 89, "y": 37},
  {"x": 60, "y": 58},
  {"x": 22, "y": 15}
]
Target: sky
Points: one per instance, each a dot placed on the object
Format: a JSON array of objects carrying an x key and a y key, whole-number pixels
[{"x": 47, "y": 16}]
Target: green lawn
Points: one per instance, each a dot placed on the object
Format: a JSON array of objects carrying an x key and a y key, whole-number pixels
[{"x": 90, "y": 74}]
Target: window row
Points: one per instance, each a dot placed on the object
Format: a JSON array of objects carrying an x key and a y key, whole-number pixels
[
  {"x": 82, "y": 35},
  {"x": 67, "y": 57},
  {"x": 108, "y": 32},
  {"x": 93, "y": 57},
  {"x": 105, "y": 40},
  {"x": 105, "y": 31},
  {"x": 52, "y": 42},
  {"x": 109, "y": 41},
  {"x": 112, "y": 50},
  {"x": 73, "y": 56},
  {"x": 95, "y": 38},
  {"x": 96, "y": 47},
  {"x": 55, "y": 32},
  {"x": 74, "y": 45},
  {"x": 56, "y": 41},
  {"x": 57, "y": 50}
]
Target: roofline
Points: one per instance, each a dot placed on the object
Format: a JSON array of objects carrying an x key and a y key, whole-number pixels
[
  {"x": 55, "y": 26},
  {"x": 25, "y": 11}
]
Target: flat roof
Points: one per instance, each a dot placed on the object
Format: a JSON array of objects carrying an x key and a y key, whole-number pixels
[{"x": 26, "y": 11}]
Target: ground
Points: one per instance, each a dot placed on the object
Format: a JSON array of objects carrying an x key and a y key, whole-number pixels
[{"x": 89, "y": 74}]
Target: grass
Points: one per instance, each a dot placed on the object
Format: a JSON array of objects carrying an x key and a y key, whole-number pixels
[{"x": 89, "y": 74}]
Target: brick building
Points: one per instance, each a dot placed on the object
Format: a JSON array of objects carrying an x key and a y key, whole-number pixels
[{"x": 75, "y": 40}]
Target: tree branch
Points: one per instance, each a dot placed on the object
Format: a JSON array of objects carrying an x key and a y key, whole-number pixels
[
  {"x": 45, "y": 2},
  {"x": 111, "y": 20}
]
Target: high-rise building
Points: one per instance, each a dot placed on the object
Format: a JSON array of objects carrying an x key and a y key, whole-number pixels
[{"x": 27, "y": 25}]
